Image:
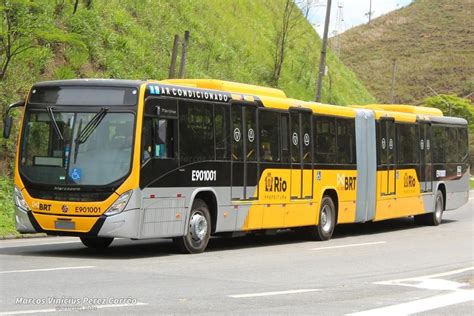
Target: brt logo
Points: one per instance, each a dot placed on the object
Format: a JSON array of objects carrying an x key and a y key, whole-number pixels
[
  {"x": 346, "y": 183},
  {"x": 274, "y": 184}
]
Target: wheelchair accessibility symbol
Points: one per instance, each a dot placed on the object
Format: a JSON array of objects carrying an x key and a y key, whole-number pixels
[{"x": 76, "y": 174}]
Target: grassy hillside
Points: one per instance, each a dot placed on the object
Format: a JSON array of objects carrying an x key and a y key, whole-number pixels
[
  {"x": 128, "y": 39},
  {"x": 432, "y": 42}
]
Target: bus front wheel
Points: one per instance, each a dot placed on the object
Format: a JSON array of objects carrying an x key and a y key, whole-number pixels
[
  {"x": 327, "y": 220},
  {"x": 96, "y": 242},
  {"x": 434, "y": 218},
  {"x": 199, "y": 230}
]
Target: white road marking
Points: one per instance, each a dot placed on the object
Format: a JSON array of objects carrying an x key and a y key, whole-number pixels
[
  {"x": 423, "y": 277},
  {"x": 273, "y": 293},
  {"x": 422, "y": 305},
  {"x": 47, "y": 269},
  {"x": 429, "y": 282},
  {"x": 351, "y": 245},
  {"x": 70, "y": 308}
]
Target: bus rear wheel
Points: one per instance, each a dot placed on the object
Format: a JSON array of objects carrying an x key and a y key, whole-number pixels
[
  {"x": 327, "y": 220},
  {"x": 436, "y": 217},
  {"x": 199, "y": 230},
  {"x": 96, "y": 242}
]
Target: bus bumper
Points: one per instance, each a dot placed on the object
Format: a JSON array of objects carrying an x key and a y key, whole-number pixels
[
  {"x": 23, "y": 223},
  {"x": 123, "y": 225}
]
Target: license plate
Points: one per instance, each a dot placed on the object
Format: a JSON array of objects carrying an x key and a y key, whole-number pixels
[{"x": 69, "y": 225}]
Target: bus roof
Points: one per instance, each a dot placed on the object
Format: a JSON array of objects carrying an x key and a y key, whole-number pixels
[
  {"x": 403, "y": 108},
  {"x": 270, "y": 97},
  {"x": 228, "y": 86},
  {"x": 90, "y": 82}
]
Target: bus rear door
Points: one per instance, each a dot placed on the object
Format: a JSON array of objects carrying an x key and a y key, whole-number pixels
[
  {"x": 387, "y": 157},
  {"x": 425, "y": 153}
]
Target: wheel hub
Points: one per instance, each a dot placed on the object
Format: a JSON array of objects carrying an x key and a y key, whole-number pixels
[
  {"x": 326, "y": 220},
  {"x": 198, "y": 226},
  {"x": 439, "y": 208}
]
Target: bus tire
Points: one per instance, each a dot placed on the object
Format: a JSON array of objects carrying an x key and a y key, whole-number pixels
[
  {"x": 96, "y": 242},
  {"x": 327, "y": 220},
  {"x": 436, "y": 217},
  {"x": 199, "y": 230}
]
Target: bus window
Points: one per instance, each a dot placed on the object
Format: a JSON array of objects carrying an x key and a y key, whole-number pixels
[
  {"x": 269, "y": 132},
  {"x": 196, "y": 132},
  {"x": 221, "y": 130},
  {"x": 325, "y": 139},
  {"x": 408, "y": 144},
  {"x": 439, "y": 140},
  {"x": 285, "y": 152},
  {"x": 463, "y": 144},
  {"x": 306, "y": 142},
  {"x": 251, "y": 132},
  {"x": 295, "y": 137},
  {"x": 346, "y": 152},
  {"x": 147, "y": 139},
  {"x": 237, "y": 142}
]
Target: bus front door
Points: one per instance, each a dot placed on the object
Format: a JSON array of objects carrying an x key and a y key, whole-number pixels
[
  {"x": 425, "y": 153},
  {"x": 244, "y": 152},
  {"x": 387, "y": 157}
]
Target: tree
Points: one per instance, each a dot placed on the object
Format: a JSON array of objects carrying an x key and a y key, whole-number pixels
[
  {"x": 18, "y": 30},
  {"x": 284, "y": 29},
  {"x": 25, "y": 27},
  {"x": 452, "y": 105}
]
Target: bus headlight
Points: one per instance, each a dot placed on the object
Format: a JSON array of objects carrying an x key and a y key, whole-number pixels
[
  {"x": 119, "y": 204},
  {"x": 20, "y": 200}
]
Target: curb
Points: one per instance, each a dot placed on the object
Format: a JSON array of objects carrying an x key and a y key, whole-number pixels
[{"x": 10, "y": 237}]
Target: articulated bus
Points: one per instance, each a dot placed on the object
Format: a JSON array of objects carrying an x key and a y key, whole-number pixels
[{"x": 191, "y": 159}]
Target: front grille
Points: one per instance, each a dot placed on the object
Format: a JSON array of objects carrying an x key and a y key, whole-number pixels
[{"x": 73, "y": 196}]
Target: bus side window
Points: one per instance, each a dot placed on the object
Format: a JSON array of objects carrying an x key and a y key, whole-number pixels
[
  {"x": 346, "y": 153},
  {"x": 147, "y": 139},
  {"x": 439, "y": 141},
  {"x": 325, "y": 139},
  {"x": 285, "y": 157},
  {"x": 161, "y": 139},
  {"x": 269, "y": 131},
  {"x": 196, "y": 130},
  {"x": 221, "y": 131},
  {"x": 463, "y": 144}
]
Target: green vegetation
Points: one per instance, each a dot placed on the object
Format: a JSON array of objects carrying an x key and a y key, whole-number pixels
[
  {"x": 452, "y": 106},
  {"x": 7, "y": 226},
  {"x": 127, "y": 39},
  {"x": 431, "y": 42}
]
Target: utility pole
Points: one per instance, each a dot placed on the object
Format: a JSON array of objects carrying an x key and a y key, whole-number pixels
[
  {"x": 338, "y": 30},
  {"x": 392, "y": 86},
  {"x": 174, "y": 55},
  {"x": 370, "y": 11},
  {"x": 322, "y": 59},
  {"x": 182, "y": 65}
]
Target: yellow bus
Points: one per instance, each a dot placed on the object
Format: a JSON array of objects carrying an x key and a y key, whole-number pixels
[{"x": 191, "y": 159}]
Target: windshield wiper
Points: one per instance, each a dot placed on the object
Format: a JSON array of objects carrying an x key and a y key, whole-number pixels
[
  {"x": 90, "y": 127},
  {"x": 55, "y": 124}
]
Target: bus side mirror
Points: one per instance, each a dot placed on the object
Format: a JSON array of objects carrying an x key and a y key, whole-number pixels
[
  {"x": 160, "y": 131},
  {"x": 8, "y": 120},
  {"x": 7, "y": 126}
]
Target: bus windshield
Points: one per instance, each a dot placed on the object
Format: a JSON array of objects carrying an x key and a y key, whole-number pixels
[{"x": 69, "y": 148}]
